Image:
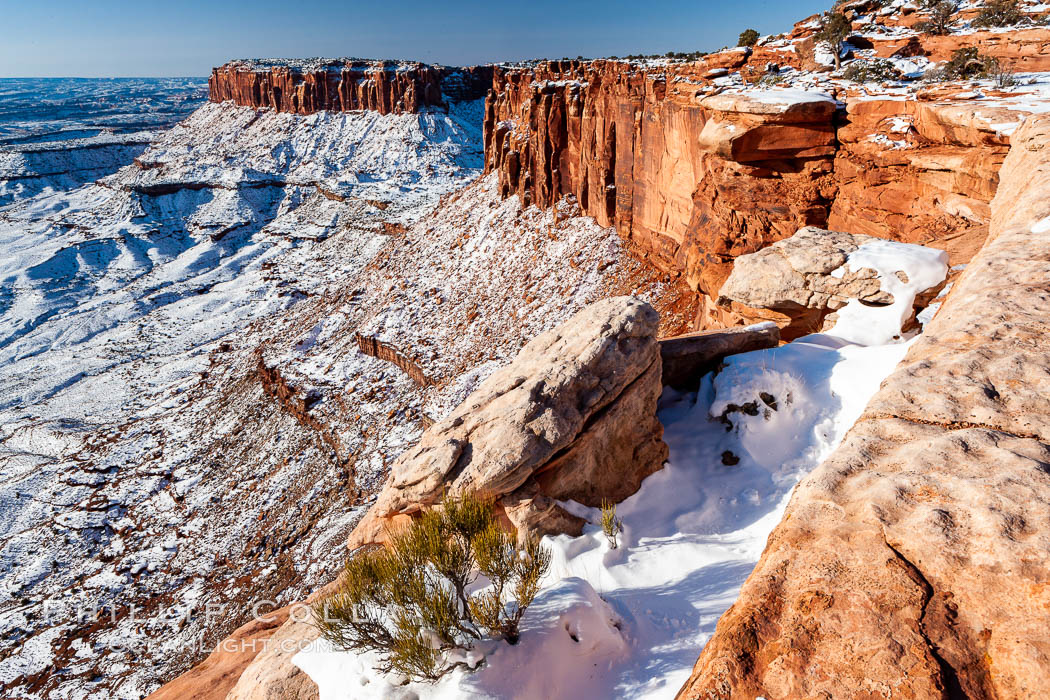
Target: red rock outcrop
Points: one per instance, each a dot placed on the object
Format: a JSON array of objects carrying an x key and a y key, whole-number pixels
[
  {"x": 345, "y": 85},
  {"x": 919, "y": 171},
  {"x": 693, "y": 179},
  {"x": 915, "y": 561}
]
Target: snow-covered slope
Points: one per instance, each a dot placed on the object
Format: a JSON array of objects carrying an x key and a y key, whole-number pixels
[
  {"x": 627, "y": 622},
  {"x": 193, "y": 422}
]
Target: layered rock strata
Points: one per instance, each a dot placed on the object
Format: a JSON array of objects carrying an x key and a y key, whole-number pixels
[
  {"x": 915, "y": 561},
  {"x": 572, "y": 417},
  {"x": 343, "y": 85},
  {"x": 692, "y": 179},
  {"x": 695, "y": 177}
]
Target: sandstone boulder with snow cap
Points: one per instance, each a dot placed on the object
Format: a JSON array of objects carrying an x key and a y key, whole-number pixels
[
  {"x": 799, "y": 281},
  {"x": 572, "y": 417}
]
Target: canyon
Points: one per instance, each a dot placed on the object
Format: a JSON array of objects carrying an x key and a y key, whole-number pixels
[{"x": 244, "y": 347}]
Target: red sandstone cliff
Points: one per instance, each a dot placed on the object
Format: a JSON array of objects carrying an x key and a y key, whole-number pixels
[
  {"x": 304, "y": 87},
  {"x": 695, "y": 176},
  {"x": 915, "y": 561}
]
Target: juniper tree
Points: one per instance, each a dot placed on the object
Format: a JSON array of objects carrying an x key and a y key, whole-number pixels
[
  {"x": 411, "y": 602},
  {"x": 748, "y": 37},
  {"x": 834, "y": 29}
]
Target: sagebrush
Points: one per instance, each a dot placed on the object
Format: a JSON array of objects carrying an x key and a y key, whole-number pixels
[{"x": 412, "y": 602}]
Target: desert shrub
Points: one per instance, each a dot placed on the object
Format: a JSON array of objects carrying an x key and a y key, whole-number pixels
[
  {"x": 968, "y": 62},
  {"x": 1001, "y": 75},
  {"x": 940, "y": 21},
  {"x": 748, "y": 37},
  {"x": 770, "y": 80},
  {"x": 874, "y": 71},
  {"x": 611, "y": 525},
  {"x": 411, "y": 603},
  {"x": 999, "y": 13},
  {"x": 834, "y": 29}
]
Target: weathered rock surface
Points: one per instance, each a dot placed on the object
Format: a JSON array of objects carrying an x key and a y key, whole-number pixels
[
  {"x": 686, "y": 358},
  {"x": 915, "y": 562},
  {"x": 345, "y": 84},
  {"x": 272, "y": 675},
  {"x": 692, "y": 179},
  {"x": 572, "y": 417},
  {"x": 213, "y": 678},
  {"x": 791, "y": 283}
]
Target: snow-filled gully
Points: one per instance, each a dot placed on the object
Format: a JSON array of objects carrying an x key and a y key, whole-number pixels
[{"x": 629, "y": 622}]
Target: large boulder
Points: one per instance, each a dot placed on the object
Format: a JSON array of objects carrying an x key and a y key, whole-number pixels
[
  {"x": 799, "y": 281},
  {"x": 572, "y": 417}
]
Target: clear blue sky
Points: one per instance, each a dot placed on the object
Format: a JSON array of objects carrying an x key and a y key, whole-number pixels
[{"x": 188, "y": 37}]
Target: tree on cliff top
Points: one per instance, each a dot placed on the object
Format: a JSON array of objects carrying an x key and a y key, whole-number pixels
[
  {"x": 834, "y": 28},
  {"x": 748, "y": 37},
  {"x": 940, "y": 21},
  {"x": 1000, "y": 13},
  {"x": 411, "y": 602}
]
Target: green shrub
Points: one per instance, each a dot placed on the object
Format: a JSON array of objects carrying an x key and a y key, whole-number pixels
[
  {"x": 611, "y": 525},
  {"x": 411, "y": 603},
  {"x": 873, "y": 71},
  {"x": 940, "y": 21},
  {"x": 968, "y": 62},
  {"x": 748, "y": 37},
  {"x": 999, "y": 13}
]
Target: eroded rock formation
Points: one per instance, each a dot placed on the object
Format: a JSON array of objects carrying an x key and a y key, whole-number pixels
[
  {"x": 694, "y": 180},
  {"x": 305, "y": 87},
  {"x": 797, "y": 282},
  {"x": 695, "y": 176},
  {"x": 915, "y": 561},
  {"x": 572, "y": 417}
]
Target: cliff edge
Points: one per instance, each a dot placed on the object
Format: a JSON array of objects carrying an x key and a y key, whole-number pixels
[{"x": 915, "y": 561}]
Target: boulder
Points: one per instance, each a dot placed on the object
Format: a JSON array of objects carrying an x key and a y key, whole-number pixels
[
  {"x": 791, "y": 282},
  {"x": 213, "y": 678},
  {"x": 686, "y": 358},
  {"x": 572, "y": 417}
]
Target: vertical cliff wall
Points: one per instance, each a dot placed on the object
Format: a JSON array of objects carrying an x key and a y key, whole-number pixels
[
  {"x": 305, "y": 87},
  {"x": 693, "y": 180}
]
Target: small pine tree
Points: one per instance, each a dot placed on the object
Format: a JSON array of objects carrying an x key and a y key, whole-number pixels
[
  {"x": 1000, "y": 13},
  {"x": 411, "y": 603},
  {"x": 940, "y": 21},
  {"x": 748, "y": 37},
  {"x": 834, "y": 29}
]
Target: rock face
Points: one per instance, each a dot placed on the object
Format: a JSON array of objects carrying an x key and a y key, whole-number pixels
[
  {"x": 305, "y": 87},
  {"x": 695, "y": 177},
  {"x": 692, "y": 179},
  {"x": 792, "y": 284},
  {"x": 686, "y": 358},
  {"x": 915, "y": 562},
  {"x": 218, "y": 674},
  {"x": 572, "y": 417}
]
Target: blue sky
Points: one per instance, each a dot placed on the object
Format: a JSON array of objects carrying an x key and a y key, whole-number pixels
[{"x": 188, "y": 37}]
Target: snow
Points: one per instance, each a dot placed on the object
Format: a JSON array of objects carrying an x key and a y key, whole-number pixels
[
  {"x": 922, "y": 267},
  {"x": 629, "y": 622}
]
